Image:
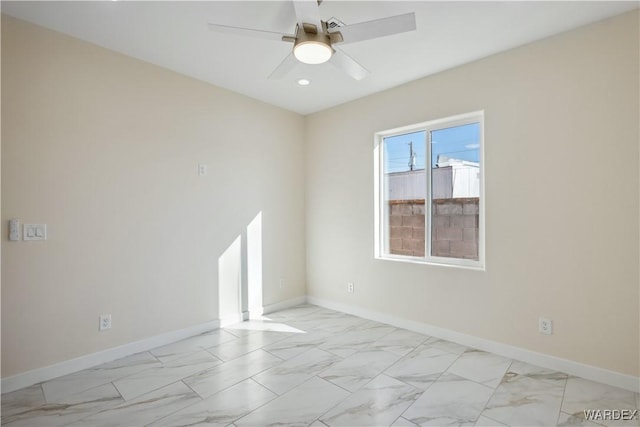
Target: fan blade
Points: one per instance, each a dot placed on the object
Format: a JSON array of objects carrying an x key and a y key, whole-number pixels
[
  {"x": 284, "y": 68},
  {"x": 377, "y": 28},
  {"x": 347, "y": 64},
  {"x": 247, "y": 32},
  {"x": 307, "y": 12}
]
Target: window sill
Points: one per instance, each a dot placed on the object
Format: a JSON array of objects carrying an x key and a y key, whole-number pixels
[{"x": 470, "y": 265}]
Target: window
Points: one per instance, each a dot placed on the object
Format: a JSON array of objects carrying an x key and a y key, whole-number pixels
[{"x": 429, "y": 192}]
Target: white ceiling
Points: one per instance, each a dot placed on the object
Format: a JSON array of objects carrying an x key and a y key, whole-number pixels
[{"x": 175, "y": 35}]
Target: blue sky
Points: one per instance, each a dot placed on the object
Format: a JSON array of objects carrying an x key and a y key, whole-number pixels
[{"x": 460, "y": 142}]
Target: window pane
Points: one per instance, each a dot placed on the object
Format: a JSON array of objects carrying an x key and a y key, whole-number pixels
[
  {"x": 404, "y": 194},
  {"x": 455, "y": 189}
]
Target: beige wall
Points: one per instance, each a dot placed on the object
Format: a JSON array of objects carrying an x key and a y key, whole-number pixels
[
  {"x": 561, "y": 149},
  {"x": 104, "y": 149}
]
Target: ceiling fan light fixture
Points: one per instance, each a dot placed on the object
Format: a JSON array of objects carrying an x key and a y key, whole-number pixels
[
  {"x": 312, "y": 52},
  {"x": 311, "y": 46}
]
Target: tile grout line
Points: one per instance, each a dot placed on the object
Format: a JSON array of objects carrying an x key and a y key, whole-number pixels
[
  {"x": 493, "y": 394},
  {"x": 564, "y": 392}
]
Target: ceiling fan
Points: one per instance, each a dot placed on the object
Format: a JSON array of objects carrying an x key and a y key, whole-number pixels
[{"x": 314, "y": 39}]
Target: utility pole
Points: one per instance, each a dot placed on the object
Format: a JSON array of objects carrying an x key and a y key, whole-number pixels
[{"x": 412, "y": 157}]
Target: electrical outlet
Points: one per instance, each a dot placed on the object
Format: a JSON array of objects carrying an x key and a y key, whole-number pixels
[
  {"x": 350, "y": 287},
  {"x": 545, "y": 326},
  {"x": 283, "y": 283},
  {"x": 105, "y": 322}
]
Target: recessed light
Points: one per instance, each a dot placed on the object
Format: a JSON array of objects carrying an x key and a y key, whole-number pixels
[{"x": 304, "y": 82}]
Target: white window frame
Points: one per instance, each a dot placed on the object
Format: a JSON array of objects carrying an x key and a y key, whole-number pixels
[{"x": 381, "y": 239}]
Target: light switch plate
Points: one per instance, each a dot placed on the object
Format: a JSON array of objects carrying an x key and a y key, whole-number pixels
[
  {"x": 34, "y": 232},
  {"x": 14, "y": 229}
]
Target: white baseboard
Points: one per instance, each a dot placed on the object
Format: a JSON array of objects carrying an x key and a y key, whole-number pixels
[
  {"x": 284, "y": 304},
  {"x": 594, "y": 373},
  {"x": 232, "y": 319},
  {"x": 46, "y": 373},
  {"x": 39, "y": 375}
]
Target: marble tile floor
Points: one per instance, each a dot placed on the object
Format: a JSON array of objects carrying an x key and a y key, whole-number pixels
[{"x": 309, "y": 366}]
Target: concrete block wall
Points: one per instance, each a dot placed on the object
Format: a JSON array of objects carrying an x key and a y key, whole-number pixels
[
  {"x": 406, "y": 231},
  {"x": 454, "y": 232}
]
